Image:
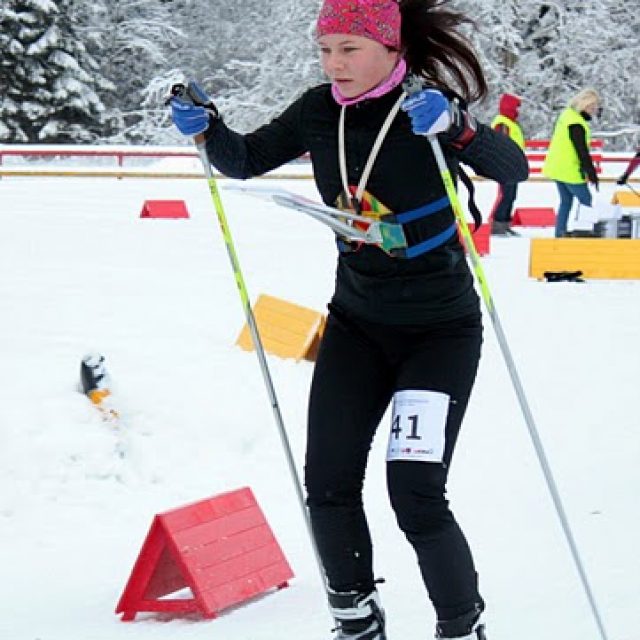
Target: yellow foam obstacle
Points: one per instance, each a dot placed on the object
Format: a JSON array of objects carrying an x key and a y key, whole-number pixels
[
  {"x": 286, "y": 329},
  {"x": 616, "y": 258},
  {"x": 626, "y": 199}
]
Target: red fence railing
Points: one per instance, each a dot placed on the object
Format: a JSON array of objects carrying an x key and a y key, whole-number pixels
[
  {"x": 33, "y": 151},
  {"x": 535, "y": 151}
]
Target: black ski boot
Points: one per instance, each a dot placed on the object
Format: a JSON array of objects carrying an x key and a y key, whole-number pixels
[
  {"x": 503, "y": 229},
  {"x": 499, "y": 228},
  {"x": 358, "y": 616},
  {"x": 464, "y": 627}
]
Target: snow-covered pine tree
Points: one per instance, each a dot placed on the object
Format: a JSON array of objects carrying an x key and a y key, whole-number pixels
[
  {"x": 547, "y": 51},
  {"x": 615, "y": 52},
  {"x": 253, "y": 57},
  {"x": 47, "y": 78},
  {"x": 132, "y": 40},
  {"x": 497, "y": 42},
  {"x": 255, "y": 88}
]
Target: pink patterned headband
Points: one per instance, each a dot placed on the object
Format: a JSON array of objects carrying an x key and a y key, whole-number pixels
[{"x": 374, "y": 19}]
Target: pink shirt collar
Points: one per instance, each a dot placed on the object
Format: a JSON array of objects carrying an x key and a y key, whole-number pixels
[{"x": 396, "y": 77}]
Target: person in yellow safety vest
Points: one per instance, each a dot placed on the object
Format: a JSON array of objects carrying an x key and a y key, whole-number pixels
[
  {"x": 568, "y": 162},
  {"x": 505, "y": 122}
]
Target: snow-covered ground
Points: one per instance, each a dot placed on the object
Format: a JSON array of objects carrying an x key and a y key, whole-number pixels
[{"x": 80, "y": 271}]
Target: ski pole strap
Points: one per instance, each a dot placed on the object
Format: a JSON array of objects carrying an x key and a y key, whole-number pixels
[{"x": 471, "y": 203}]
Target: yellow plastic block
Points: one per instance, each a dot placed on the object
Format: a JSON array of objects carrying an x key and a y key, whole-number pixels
[
  {"x": 625, "y": 199},
  {"x": 606, "y": 258},
  {"x": 286, "y": 329}
]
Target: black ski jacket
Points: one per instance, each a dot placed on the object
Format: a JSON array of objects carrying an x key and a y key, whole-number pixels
[{"x": 371, "y": 285}]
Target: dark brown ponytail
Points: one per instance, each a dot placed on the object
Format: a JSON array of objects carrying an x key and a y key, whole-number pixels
[{"x": 435, "y": 50}]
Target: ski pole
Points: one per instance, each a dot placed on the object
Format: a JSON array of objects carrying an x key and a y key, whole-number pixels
[
  {"x": 184, "y": 93},
  {"x": 411, "y": 86},
  {"x": 632, "y": 189}
]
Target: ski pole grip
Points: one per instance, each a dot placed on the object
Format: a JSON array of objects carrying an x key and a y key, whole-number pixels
[
  {"x": 178, "y": 90},
  {"x": 187, "y": 94},
  {"x": 413, "y": 84}
]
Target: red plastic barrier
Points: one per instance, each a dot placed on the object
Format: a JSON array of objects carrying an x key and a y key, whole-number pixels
[
  {"x": 534, "y": 217},
  {"x": 164, "y": 209},
  {"x": 221, "y": 548},
  {"x": 481, "y": 238}
]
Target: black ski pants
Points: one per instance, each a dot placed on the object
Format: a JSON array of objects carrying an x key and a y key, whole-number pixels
[
  {"x": 503, "y": 206},
  {"x": 359, "y": 367}
]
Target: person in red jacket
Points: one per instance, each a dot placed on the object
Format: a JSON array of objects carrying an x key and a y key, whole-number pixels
[
  {"x": 506, "y": 123},
  {"x": 633, "y": 165},
  {"x": 404, "y": 328}
]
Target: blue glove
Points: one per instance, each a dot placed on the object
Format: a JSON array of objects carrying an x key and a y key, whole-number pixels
[
  {"x": 189, "y": 119},
  {"x": 198, "y": 95},
  {"x": 191, "y": 109},
  {"x": 429, "y": 111}
]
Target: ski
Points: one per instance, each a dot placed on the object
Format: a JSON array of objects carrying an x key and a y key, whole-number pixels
[{"x": 387, "y": 235}]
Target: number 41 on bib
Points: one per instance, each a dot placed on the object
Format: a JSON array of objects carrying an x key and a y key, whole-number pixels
[{"x": 418, "y": 426}]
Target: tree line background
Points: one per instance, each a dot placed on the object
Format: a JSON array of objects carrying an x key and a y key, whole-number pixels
[{"x": 73, "y": 71}]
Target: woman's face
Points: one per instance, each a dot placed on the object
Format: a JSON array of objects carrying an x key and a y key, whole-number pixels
[
  {"x": 354, "y": 63},
  {"x": 592, "y": 109}
]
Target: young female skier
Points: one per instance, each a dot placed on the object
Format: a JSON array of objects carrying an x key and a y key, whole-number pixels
[{"x": 404, "y": 327}]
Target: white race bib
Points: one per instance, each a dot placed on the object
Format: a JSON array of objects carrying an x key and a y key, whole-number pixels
[{"x": 417, "y": 426}]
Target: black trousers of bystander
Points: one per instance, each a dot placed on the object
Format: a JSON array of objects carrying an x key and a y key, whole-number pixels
[{"x": 503, "y": 206}]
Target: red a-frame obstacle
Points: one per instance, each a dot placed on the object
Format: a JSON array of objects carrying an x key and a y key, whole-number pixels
[
  {"x": 221, "y": 548},
  {"x": 164, "y": 209},
  {"x": 534, "y": 217}
]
